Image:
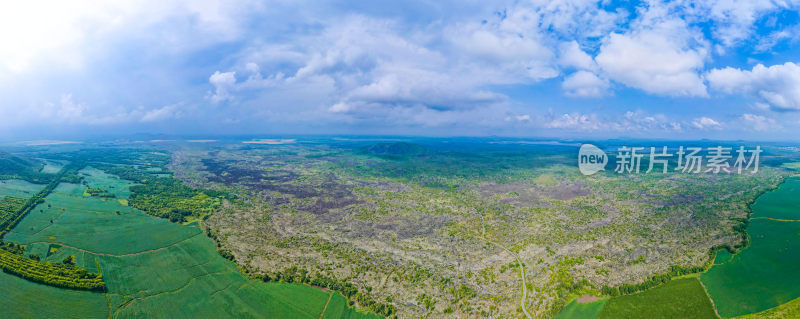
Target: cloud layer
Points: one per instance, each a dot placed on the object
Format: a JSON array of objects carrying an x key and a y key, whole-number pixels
[
  {"x": 517, "y": 68},
  {"x": 777, "y": 85}
]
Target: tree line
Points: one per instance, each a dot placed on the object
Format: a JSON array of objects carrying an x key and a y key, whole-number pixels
[{"x": 63, "y": 275}]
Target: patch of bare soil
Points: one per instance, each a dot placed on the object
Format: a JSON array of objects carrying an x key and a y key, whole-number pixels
[
  {"x": 588, "y": 299},
  {"x": 568, "y": 192}
]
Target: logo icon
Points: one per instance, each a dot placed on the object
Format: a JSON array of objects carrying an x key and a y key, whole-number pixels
[{"x": 591, "y": 159}]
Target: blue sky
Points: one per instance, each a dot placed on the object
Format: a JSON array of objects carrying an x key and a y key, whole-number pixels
[{"x": 576, "y": 69}]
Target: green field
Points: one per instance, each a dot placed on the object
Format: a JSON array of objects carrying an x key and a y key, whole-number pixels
[
  {"x": 149, "y": 265},
  {"x": 51, "y": 166},
  {"x": 782, "y": 203},
  {"x": 93, "y": 225},
  {"x": 25, "y": 299},
  {"x": 789, "y": 310},
  {"x": 722, "y": 257},
  {"x": 765, "y": 274},
  {"x": 114, "y": 185},
  {"x": 18, "y": 188},
  {"x": 679, "y": 298},
  {"x": 576, "y": 310}
]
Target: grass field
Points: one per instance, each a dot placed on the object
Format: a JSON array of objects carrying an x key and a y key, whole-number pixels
[
  {"x": 18, "y": 188},
  {"x": 93, "y": 225},
  {"x": 52, "y": 166},
  {"x": 766, "y": 274},
  {"x": 114, "y": 185},
  {"x": 789, "y": 310},
  {"x": 680, "y": 298},
  {"x": 782, "y": 203},
  {"x": 25, "y": 299},
  {"x": 152, "y": 268},
  {"x": 722, "y": 257},
  {"x": 576, "y": 310}
]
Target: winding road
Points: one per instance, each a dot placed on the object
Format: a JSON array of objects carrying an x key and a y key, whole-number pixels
[{"x": 521, "y": 269}]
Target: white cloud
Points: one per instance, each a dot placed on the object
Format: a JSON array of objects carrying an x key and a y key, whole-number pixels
[
  {"x": 629, "y": 122},
  {"x": 524, "y": 117},
  {"x": 65, "y": 34},
  {"x": 571, "y": 55},
  {"x": 513, "y": 48},
  {"x": 778, "y": 85},
  {"x": 375, "y": 67},
  {"x": 223, "y": 83},
  {"x": 166, "y": 112},
  {"x": 766, "y": 43},
  {"x": 660, "y": 55},
  {"x": 340, "y": 107},
  {"x": 641, "y": 121},
  {"x": 578, "y": 19},
  {"x": 575, "y": 121},
  {"x": 378, "y": 66},
  {"x": 760, "y": 122},
  {"x": 706, "y": 123},
  {"x": 734, "y": 20},
  {"x": 585, "y": 84},
  {"x": 133, "y": 61},
  {"x": 69, "y": 111}
]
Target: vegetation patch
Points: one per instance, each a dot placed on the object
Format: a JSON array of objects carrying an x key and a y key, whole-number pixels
[
  {"x": 680, "y": 298},
  {"x": 99, "y": 192}
]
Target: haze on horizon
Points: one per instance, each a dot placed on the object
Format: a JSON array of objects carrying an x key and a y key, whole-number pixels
[{"x": 716, "y": 69}]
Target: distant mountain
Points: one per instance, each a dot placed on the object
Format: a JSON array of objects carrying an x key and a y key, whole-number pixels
[{"x": 396, "y": 149}]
